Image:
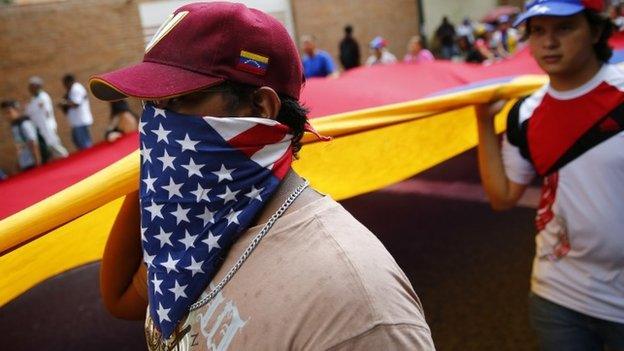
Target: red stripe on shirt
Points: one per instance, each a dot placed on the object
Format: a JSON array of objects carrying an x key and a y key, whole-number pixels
[{"x": 556, "y": 125}]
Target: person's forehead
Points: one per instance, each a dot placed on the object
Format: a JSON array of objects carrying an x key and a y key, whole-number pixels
[{"x": 551, "y": 20}]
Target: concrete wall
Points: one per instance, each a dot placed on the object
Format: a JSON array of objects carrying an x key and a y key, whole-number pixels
[{"x": 82, "y": 37}]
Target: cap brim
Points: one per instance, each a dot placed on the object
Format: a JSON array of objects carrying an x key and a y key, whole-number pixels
[
  {"x": 149, "y": 81},
  {"x": 550, "y": 9}
]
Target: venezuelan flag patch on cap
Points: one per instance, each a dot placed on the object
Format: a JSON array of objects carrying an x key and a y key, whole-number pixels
[{"x": 252, "y": 63}]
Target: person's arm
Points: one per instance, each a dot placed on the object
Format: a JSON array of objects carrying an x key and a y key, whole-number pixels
[
  {"x": 33, "y": 146},
  {"x": 32, "y": 142},
  {"x": 47, "y": 106},
  {"x": 502, "y": 192},
  {"x": 122, "y": 265},
  {"x": 75, "y": 96},
  {"x": 487, "y": 54}
]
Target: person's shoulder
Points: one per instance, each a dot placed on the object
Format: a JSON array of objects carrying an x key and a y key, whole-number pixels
[
  {"x": 77, "y": 88},
  {"x": 389, "y": 56},
  {"x": 524, "y": 108},
  {"x": 324, "y": 54},
  {"x": 614, "y": 76},
  {"x": 43, "y": 96},
  {"x": 356, "y": 282},
  {"x": 362, "y": 257}
]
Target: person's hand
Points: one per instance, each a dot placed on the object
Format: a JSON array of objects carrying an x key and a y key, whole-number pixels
[
  {"x": 113, "y": 136},
  {"x": 487, "y": 112}
]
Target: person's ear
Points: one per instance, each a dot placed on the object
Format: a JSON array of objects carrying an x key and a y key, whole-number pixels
[
  {"x": 266, "y": 102},
  {"x": 597, "y": 33}
]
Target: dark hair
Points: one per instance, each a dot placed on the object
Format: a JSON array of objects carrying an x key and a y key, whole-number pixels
[
  {"x": 291, "y": 113},
  {"x": 599, "y": 22},
  {"x": 69, "y": 78},
  {"x": 596, "y": 21},
  {"x": 9, "y": 104},
  {"x": 348, "y": 29}
]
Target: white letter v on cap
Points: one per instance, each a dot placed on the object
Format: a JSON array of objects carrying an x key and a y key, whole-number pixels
[{"x": 165, "y": 28}]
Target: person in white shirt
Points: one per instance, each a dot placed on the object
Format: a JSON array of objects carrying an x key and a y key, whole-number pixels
[
  {"x": 505, "y": 39},
  {"x": 380, "y": 55},
  {"x": 41, "y": 113},
  {"x": 571, "y": 133},
  {"x": 76, "y": 106}
]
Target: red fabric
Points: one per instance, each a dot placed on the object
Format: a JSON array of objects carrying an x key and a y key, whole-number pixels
[
  {"x": 36, "y": 184},
  {"x": 378, "y": 85},
  {"x": 247, "y": 141},
  {"x": 568, "y": 122},
  {"x": 545, "y": 213},
  {"x": 596, "y": 5},
  {"x": 281, "y": 166}
]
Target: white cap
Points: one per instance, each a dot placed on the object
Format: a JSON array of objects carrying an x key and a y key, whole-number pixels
[{"x": 35, "y": 80}]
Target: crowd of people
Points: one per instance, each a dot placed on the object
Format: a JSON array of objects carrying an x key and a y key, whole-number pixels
[
  {"x": 34, "y": 127},
  {"x": 477, "y": 42},
  {"x": 469, "y": 42},
  {"x": 319, "y": 63}
]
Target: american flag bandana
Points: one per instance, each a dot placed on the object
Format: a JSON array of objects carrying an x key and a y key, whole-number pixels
[{"x": 203, "y": 180}]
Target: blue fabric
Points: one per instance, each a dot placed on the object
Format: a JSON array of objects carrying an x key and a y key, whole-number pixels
[
  {"x": 201, "y": 186},
  {"x": 561, "y": 329},
  {"x": 550, "y": 8},
  {"x": 82, "y": 137},
  {"x": 319, "y": 65}
]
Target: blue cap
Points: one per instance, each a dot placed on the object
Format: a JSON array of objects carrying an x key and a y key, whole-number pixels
[{"x": 556, "y": 8}]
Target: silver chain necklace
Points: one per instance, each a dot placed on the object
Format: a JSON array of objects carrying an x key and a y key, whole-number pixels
[{"x": 256, "y": 240}]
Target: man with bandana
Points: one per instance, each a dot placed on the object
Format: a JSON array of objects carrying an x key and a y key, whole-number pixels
[{"x": 232, "y": 249}]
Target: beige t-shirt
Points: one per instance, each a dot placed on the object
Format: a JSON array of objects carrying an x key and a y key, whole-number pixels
[{"x": 319, "y": 280}]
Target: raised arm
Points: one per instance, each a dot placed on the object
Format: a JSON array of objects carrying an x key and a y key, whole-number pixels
[
  {"x": 123, "y": 275},
  {"x": 502, "y": 192}
]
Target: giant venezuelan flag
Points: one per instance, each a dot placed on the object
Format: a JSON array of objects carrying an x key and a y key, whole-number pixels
[{"x": 388, "y": 123}]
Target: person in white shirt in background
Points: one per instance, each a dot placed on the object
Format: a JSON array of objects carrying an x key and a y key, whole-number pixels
[
  {"x": 380, "y": 55},
  {"x": 466, "y": 29},
  {"x": 76, "y": 106},
  {"x": 505, "y": 39},
  {"x": 41, "y": 112}
]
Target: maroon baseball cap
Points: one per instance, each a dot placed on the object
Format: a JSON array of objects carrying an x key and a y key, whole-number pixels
[{"x": 203, "y": 44}]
